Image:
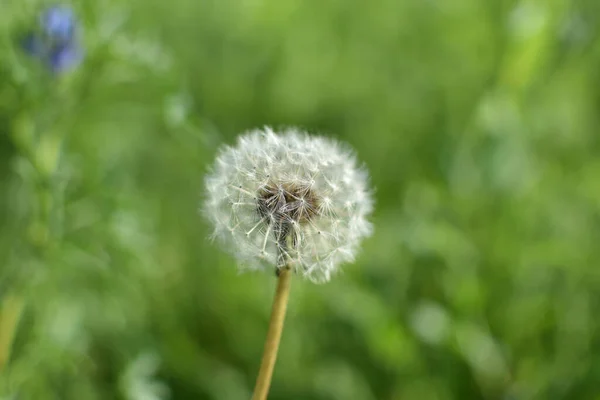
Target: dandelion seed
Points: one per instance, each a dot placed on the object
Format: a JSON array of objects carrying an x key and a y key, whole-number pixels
[{"x": 306, "y": 202}]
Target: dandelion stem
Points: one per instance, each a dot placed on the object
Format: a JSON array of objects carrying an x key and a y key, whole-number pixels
[{"x": 263, "y": 382}]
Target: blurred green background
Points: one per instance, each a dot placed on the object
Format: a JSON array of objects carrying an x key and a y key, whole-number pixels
[{"x": 478, "y": 121}]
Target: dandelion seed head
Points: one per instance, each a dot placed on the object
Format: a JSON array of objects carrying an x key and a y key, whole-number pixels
[{"x": 290, "y": 199}]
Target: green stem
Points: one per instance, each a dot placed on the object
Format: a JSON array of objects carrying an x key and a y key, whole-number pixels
[
  {"x": 263, "y": 382},
  {"x": 11, "y": 310}
]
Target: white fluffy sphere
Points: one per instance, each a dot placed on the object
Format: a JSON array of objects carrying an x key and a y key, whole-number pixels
[{"x": 289, "y": 199}]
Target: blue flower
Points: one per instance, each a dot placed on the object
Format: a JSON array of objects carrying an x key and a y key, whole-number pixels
[
  {"x": 64, "y": 57},
  {"x": 34, "y": 45},
  {"x": 58, "y": 23},
  {"x": 56, "y": 43}
]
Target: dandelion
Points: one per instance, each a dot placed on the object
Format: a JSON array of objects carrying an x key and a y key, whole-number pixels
[
  {"x": 290, "y": 202},
  {"x": 55, "y": 41}
]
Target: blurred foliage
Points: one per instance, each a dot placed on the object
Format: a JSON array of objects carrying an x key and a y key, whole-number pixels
[{"x": 477, "y": 119}]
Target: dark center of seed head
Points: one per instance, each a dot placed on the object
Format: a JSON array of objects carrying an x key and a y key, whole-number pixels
[{"x": 288, "y": 202}]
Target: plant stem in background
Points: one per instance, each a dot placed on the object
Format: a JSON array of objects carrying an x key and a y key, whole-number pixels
[
  {"x": 263, "y": 382},
  {"x": 10, "y": 315}
]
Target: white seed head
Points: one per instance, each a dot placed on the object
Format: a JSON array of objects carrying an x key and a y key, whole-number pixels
[{"x": 289, "y": 199}]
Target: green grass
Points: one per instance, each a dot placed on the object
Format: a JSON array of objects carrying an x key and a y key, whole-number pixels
[{"x": 477, "y": 120}]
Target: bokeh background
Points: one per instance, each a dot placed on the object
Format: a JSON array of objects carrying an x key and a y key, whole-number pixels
[{"x": 478, "y": 121}]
